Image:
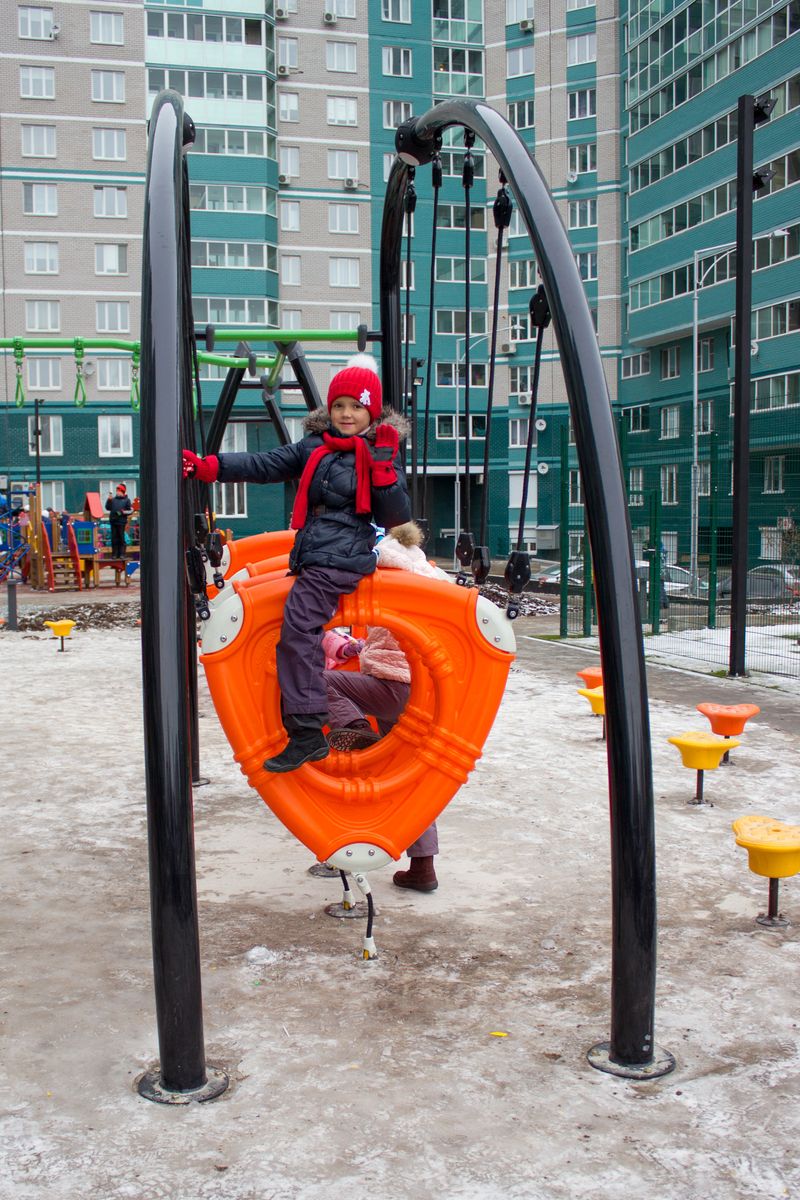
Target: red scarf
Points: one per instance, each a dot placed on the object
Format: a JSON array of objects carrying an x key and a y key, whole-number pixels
[{"x": 363, "y": 463}]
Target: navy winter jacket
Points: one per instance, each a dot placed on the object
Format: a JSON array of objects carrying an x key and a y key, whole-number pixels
[
  {"x": 334, "y": 535},
  {"x": 119, "y": 509}
]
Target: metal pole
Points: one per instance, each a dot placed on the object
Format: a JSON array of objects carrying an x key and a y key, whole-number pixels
[
  {"x": 457, "y": 522},
  {"x": 37, "y": 438},
  {"x": 173, "y": 895},
  {"x": 741, "y": 383},
  {"x": 695, "y": 447}
]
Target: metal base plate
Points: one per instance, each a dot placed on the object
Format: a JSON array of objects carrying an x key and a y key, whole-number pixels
[
  {"x": 358, "y": 912},
  {"x": 323, "y": 871},
  {"x": 663, "y": 1062},
  {"x": 779, "y": 922},
  {"x": 150, "y": 1087}
]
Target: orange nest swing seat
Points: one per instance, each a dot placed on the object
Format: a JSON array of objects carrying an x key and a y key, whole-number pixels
[{"x": 360, "y": 811}]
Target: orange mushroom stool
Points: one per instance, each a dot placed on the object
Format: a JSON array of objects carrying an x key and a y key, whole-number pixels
[
  {"x": 728, "y": 720},
  {"x": 773, "y": 850},
  {"x": 592, "y": 676},
  {"x": 701, "y": 751}
]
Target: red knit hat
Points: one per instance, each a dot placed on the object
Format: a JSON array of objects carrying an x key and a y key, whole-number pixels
[
  {"x": 121, "y": 487},
  {"x": 359, "y": 379}
]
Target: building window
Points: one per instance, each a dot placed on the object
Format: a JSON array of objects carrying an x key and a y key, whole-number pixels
[
  {"x": 290, "y": 215},
  {"x": 575, "y": 493},
  {"x": 582, "y": 104},
  {"x": 35, "y": 23},
  {"x": 520, "y": 60},
  {"x": 342, "y": 164},
  {"x": 40, "y": 199},
  {"x": 634, "y": 365},
  {"x": 670, "y": 422},
  {"x": 454, "y": 321},
  {"x": 669, "y": 484},
  {"x": 587, "y": 264},
  {"x": 230, "y": 499},
  {"x": 582, "y": 214},
  {"x": 289, "y": 106},
  {"x": 773, "y": 474},
  {"x": 345, "y": 319},
  {"x": 582, "y": 48},
  {"x": 106, "y": 28},
  {"x": 775, "y": 391},
  {"x": 289, "y": 161},
  {"x": 396, "y": 10},
  {"x": 343, "y": 218},
  {"x": 521, "y": 273},
  {"x": 518, "y": 428},
  {"x": 288, "y": 52},
  {"x": 408, "y": 327},
  {"x": 454, "y": 270},
  {"x": 110, "y": 202},
  {"x": 518, "y": 10},
  {"x": 53, "y": 495},
  {"x": 396, "y": 60},
  {"x": 395, "y": 112},
  {"x": 113, "y": 374},
  {"x": 341, "y": 56},
  {"x": 290, "y": 270},
  {"x": 109, "y": 144},
  {"x": 636, "y": 487},
  {"x": 521, "y": 114},
  {"x": 638, "y": 418},
  {"x": 111, "y": 258},
  {"x": 113, "y": 316},
  {"x": 37, "y": 83},
  {"x": 42, "y": 316},
  {"x": 457, "y": 72},
  {"x": 671, "y": 362},
  {"x": 342, "y": 110},
  {"x": 115, "y": 436},
  {"x": 108, "y": 87},
  {"x": 705, "y": 416},
  {"x": 582, "y": 158},
  {"x": 771, "y": 544},
  {"x": 705, "y": 355},
  {"x": 292, "y": 318},
  {"x": 44, "y": 374},
  {"x": 249, "y": 143},
  {"x": 41, "y": 258},
  {"x": 38, "y": 141},
  {"x": 704, "y": 479},
  {"x": 448, "y": 372},
  {"x": 344, "y": 272}
]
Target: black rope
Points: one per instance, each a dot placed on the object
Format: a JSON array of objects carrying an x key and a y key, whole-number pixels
[
  {"x": 370, "y": 914},
  {"x": 502, "y": 219},
  {"x": 540, "y": 318},
  {"x": 410, "y": 205},
  {"x": 467, "y": 178},
  {"x": 436, "y": 175}
]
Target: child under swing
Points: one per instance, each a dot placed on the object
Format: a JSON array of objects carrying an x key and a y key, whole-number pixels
[{"x": 349, "y": 479}]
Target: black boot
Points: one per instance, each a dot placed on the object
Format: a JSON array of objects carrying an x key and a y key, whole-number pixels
[{"x": 307, "y": 742}]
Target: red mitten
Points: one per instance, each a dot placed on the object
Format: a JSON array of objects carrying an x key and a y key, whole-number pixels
[
  {"x": 206, "y": 469},
  {"x": 387, "y": 443}
]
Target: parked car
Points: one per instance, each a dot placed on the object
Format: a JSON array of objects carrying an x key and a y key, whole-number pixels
[
  {"x": 549, "y": 580},
  {"x": 678, "y": 582},
  {"x": 776, "y": 582}
]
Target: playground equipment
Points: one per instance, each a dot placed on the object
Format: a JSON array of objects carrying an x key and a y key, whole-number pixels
[
  {"x": 701, "y": 752},
  {"x": 728, "y": 720},
  {"x": 592, "y": 676},
  {"x": 773, "y": 851},
  {"x": 597, "y": 700},
  {"x": 167, "y": 525},
  {"x": 61, "y": 629}
]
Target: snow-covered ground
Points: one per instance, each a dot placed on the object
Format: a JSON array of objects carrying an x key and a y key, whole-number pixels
[{"x": 387, "y": 1079}]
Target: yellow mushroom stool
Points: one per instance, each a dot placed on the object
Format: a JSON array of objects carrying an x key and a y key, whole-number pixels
[
  {"x": 773, "y": 850},
  {"x": 701, "y": 752},
  {"x": 598, "y": 702},
  {"x": 60, "y": 629}
]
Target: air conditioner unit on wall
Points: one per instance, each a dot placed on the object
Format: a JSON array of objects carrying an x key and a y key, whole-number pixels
[
  {"x": 329, "y": 17},
  {"x": 572, "y": 176},
  {"x": 526, "y": 25},
  {"x": 508, "y": 347},
  {"x": 283, "y": 179},
  {"x": 350, "y": 183},
  {"x": 281, "y": 14},
  {"x": 524, "y": 400},
  {"x": 283, "y": 69}
]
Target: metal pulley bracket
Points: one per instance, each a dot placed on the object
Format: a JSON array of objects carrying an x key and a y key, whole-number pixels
[
  {"x": 539, "y": 309},
  {"x": 481, "y": 564}
]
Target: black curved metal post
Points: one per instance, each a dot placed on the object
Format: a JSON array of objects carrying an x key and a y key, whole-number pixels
[
  {"x": 164, "y": 371},
  {"x": 631, "y": 1049}
]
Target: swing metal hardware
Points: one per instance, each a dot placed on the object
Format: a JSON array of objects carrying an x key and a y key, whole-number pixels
[
  {"x": 539, "y": 309},
  {"x": 465, "y": 551},
  {"x": 195, "y": 568},
  {"x": 481, "y": 564},
  {"x": 517, "y": 574}
]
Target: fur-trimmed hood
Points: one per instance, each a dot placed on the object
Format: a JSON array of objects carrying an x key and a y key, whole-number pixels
[{"x": 319, "y": 421}]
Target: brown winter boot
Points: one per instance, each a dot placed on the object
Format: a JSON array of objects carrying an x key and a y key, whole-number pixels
[{"x": 420, "y": 876}]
